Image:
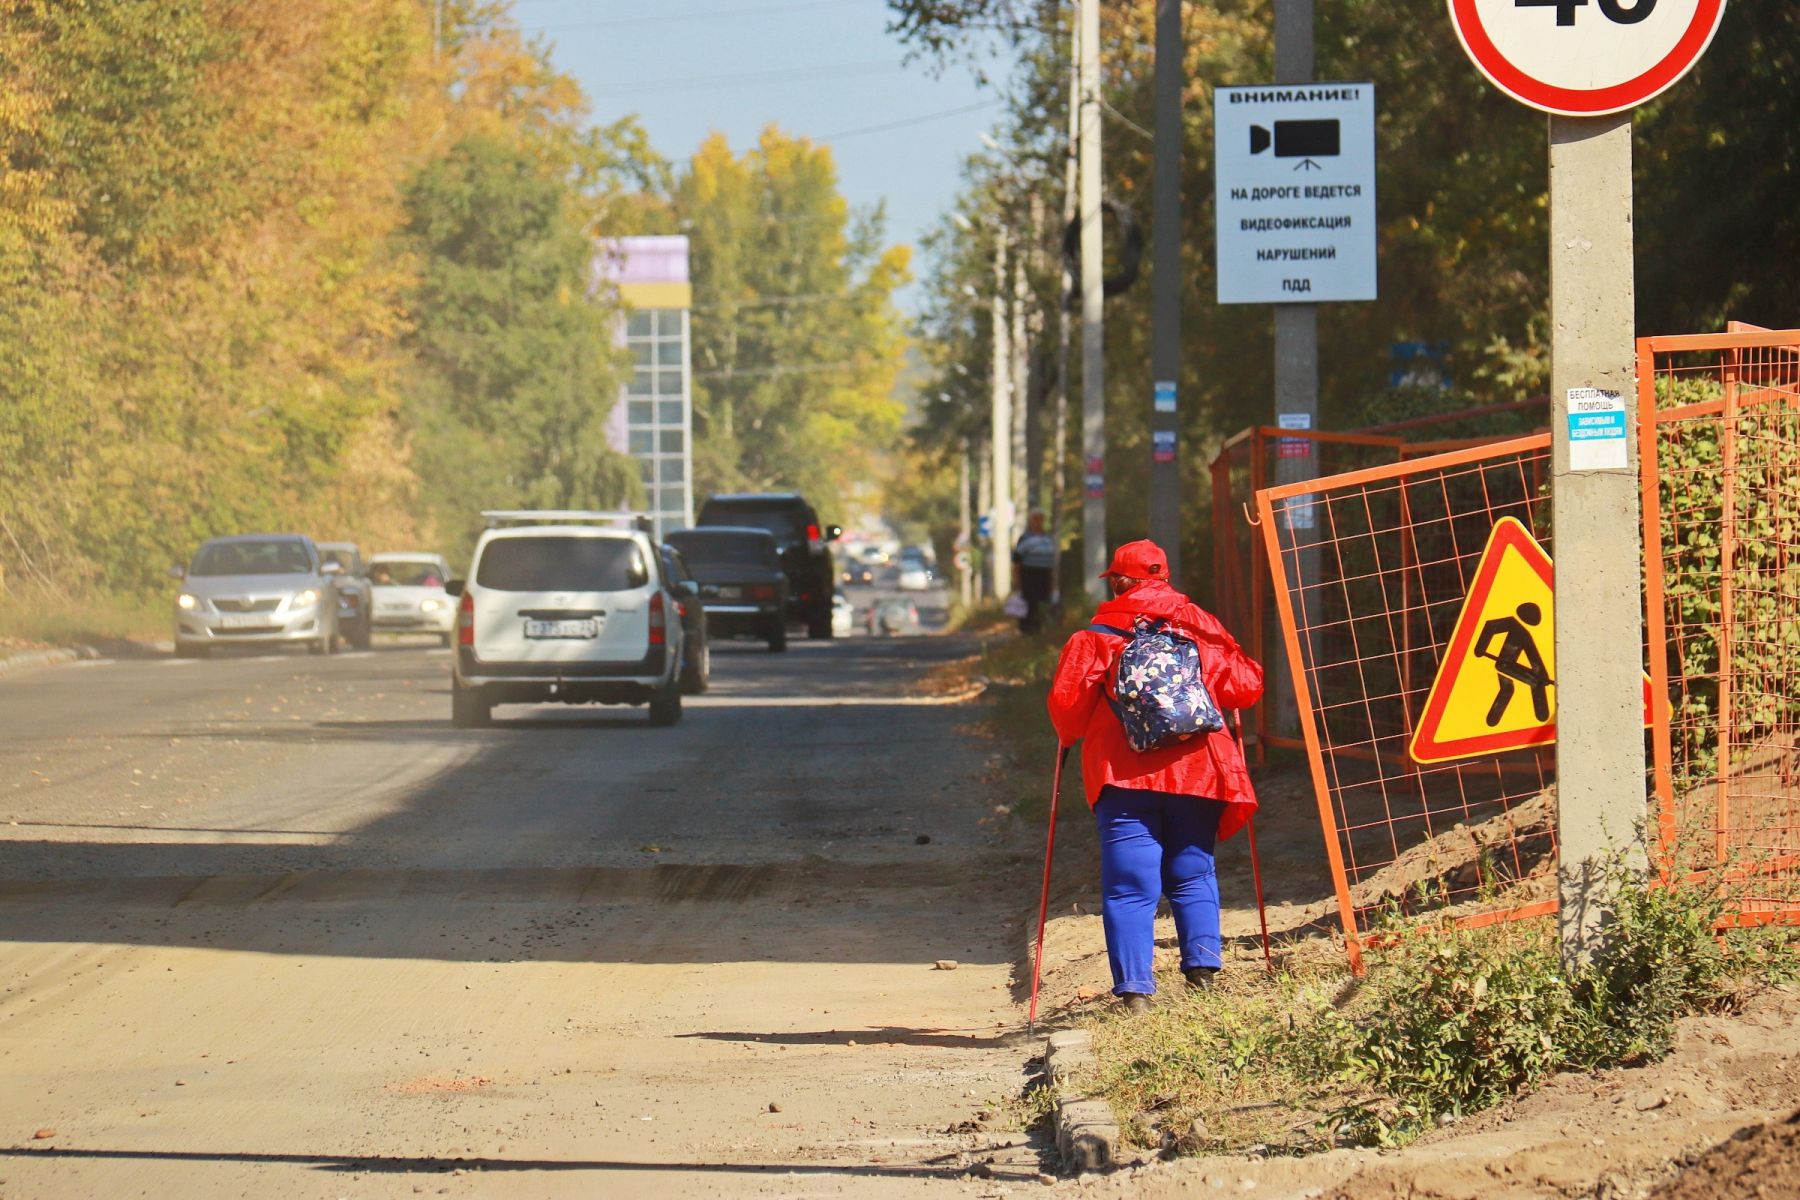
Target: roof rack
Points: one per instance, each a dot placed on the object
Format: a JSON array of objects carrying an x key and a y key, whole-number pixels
[{"x": 497, "y": 517}]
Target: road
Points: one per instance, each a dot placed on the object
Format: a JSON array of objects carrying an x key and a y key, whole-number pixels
[{"x": 269, "y": 927}]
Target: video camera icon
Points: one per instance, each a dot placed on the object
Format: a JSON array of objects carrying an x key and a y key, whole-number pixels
[{"x": 1304, "y": 140}]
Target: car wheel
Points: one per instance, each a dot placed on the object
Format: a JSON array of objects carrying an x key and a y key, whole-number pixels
[
  {"x": 326, "y": 643},
  {"x": 469, "y": 709},
  {"x": 778, "y": 639},
  {"x": 665, "y": 709},
  {"x": 698, "y": 676},
  {"x": 365, "y": 635},
  {"x": 817, "y": 628}
]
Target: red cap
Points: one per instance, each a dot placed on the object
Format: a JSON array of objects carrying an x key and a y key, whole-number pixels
[{"x": 1142, "y": 559}]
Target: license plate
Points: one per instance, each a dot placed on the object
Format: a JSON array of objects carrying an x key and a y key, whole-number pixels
[
  {"x": 730, "y": 593},
  {"x": 243, "y": 620},
  {"x": 562, "y": 629}
]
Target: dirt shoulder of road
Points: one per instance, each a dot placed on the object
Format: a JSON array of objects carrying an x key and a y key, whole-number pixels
[{"x": 1712, "y": 1115}]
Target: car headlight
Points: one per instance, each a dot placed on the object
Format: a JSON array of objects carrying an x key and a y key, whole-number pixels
[
  {"x": 430, "y": 605},
  {"x": 305, "y": 599},
  {"x": 186, "y": 602}
]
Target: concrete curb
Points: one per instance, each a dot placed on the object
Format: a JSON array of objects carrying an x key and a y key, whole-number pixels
[
  {"x": 44, "y": 658},
  {"x": 1087, "y": 1136}
]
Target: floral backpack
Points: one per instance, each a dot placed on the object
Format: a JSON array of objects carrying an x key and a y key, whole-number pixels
[{"x": 1156, "y": 689}]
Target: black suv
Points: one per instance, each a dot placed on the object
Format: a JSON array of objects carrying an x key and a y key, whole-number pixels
[{"x": 803, "y": 542}]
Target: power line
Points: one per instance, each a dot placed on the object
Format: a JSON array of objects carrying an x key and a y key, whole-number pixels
[
  {"x": 712, "y": 14},
  {"x": 750, "y": 78},
  {"x": 901, "y": 124}
]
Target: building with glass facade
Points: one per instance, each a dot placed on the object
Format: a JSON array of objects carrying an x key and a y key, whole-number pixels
[{"x": 653, "y": 421}]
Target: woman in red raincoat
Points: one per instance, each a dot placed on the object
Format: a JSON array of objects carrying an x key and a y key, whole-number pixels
[{"x": 1161, "y": 812}]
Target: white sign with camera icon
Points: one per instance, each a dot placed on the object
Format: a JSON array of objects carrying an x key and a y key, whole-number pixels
[{"x": 1295, "y": 179}]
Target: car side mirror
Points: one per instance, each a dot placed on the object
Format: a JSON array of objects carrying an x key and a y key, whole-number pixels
[
  {"x": 453, "y": 588},
  {"x": 177, "y": 573},
  {"x": 331, "y": 568}
]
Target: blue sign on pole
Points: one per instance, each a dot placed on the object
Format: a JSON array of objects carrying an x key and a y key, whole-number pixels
[{"x": 983, "y": 525}]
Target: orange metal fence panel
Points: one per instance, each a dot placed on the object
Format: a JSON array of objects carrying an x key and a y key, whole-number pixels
[
  {"x": 1248, "y": 462},
  {"x": 1722, "y": 503},
  {"x": 1371, "y": 570}
]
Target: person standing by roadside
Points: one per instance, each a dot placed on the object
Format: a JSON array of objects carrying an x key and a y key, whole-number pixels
[
  {"x": 1034, "y": 558},
  {"x": 1161, "y": 811}
]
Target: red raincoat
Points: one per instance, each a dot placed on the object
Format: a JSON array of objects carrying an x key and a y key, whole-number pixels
[{"x": 1210, "y": 766}]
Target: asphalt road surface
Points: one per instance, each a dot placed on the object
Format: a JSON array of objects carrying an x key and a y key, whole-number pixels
[{"x": 270, "y": 927}]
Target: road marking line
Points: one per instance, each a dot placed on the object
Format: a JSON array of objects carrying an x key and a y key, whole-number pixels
[
  {"x": 180, "y": 662},
  {"x": 357, "y": 654},
  {"x": 95, "y": 662}
]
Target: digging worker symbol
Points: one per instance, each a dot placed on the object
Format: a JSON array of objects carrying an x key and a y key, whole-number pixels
[{"x": 1517, "y": 661}]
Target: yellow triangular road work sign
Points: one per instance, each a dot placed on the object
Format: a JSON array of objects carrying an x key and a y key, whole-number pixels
[{"x": 1496, "y": 684}]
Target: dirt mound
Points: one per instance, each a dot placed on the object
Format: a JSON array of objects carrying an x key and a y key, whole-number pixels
[
  {"x": 1510, "y": 851},
  {"x": 1762, "y": 1160}
]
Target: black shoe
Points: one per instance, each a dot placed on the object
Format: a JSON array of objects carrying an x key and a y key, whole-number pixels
[
  {"x": 1200, "y": 977},
  {"x": 1136, "y": 1003}
]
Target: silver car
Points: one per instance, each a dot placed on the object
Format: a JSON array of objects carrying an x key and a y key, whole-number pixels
[{"x": 260, "y": 587}]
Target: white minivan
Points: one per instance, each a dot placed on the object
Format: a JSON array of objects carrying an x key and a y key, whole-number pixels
[{"x": 566, "y": 607}]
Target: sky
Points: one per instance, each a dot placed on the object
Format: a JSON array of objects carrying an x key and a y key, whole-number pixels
[{"x": 827, "y": 69}]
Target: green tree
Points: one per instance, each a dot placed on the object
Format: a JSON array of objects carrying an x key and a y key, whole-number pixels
[
  {"x": 520, "y": 366},
  {"x": 797, "y": 348}
]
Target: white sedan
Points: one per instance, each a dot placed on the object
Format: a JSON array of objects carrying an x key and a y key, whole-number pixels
[{"x": 409, "y": 595}]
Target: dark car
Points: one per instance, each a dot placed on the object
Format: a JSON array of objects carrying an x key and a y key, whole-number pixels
[
  {"x": 803, "y": 543},
  {"x": 742, "y": 585},
  {"x": 696, "y": 653}
]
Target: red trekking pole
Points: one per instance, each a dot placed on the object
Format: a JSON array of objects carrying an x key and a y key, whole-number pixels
[
  {"x": 1037, "y": 961},
  {"x": 1255, "y": 859}
]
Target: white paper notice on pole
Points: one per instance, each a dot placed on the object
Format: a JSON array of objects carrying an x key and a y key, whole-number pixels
[
  {"x": 1596, "y": 430},
  {"x": 1295, "y": 192}
]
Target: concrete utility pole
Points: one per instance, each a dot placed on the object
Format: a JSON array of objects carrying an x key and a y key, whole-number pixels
[
  {"x": 1000, "y": 516},
  {"x": 1296, "y": 351},
  {"x": 1025, "y": 473},
  {"x": 1595, "y": 521},
  {"x": 1096, "y": 553},
  {"x": 965, "y": 543},
  {"x": 1165, "y": 286},
  {"x": 984, "y": 500},
  {"x": 1064, "y": 297}
]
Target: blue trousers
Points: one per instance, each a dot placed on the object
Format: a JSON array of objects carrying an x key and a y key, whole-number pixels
[{"x": 1154, "y": 844}]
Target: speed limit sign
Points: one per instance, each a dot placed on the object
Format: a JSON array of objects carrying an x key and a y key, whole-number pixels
[{"x": 1585, "y": 58}]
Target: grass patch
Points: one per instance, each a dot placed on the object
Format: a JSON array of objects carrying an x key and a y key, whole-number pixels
[
  {"x": 1446, "y": 1023},
  {"x": 32, "y": 618}
]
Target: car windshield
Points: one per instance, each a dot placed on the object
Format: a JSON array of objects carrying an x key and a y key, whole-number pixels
[
  {"x": 786, "y": 522},
  {"x": 396, "y": 572},
  {"x": 724, "y": 549},
  {"x": 274, "y": 556},
  {"x": 343, "y": 558},
  {"x": 561, "y": 564}
]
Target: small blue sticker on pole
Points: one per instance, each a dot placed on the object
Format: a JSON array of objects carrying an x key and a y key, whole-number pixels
[
  {"x": 1596, "y": 428},
  {"x": 1165, "y": 395},
  {"x": 1162, "y": 446}
]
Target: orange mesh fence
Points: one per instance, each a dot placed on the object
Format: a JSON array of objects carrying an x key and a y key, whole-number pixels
[
  {"x": 1248, "y": 462},
  {"x": 1372, "y": 569},
  {"x": 1381, "y": 576},
  {"x": 1723, "y": 598}
]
